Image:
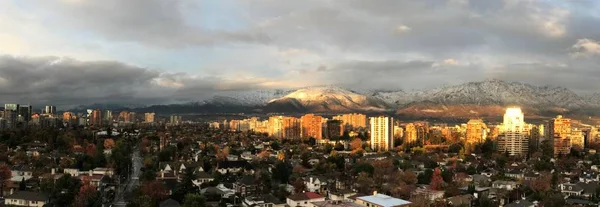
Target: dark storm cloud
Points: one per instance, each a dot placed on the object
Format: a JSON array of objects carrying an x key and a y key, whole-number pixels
[{"x": 67, "y": 82}]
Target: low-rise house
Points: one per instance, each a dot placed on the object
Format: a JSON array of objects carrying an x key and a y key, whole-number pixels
[
  {"x": 571, "y": 189},
  {"x": 234, "y": 166},
  {"x": 381, "y": 200},
  {"x": 461, "y": 200},
  {"x": 246, "y": 186},
  {"x": 521, "y": 203},
  {"x": 516, "y": 174},
  {"x": 315, "y": 184},
  {"x": 432, "y": 195},
  {"x": 203, "y": 177},
  {"x": 304, "y": 199},
  {"x": 507, "y": 185},
  {"x": 263, "y": 201},
  {"x": 341, "y": 194},
  {"x": 26, "y": 198},
  {"x": 335, "y": 203}
]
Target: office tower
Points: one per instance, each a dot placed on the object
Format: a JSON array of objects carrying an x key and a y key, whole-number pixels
[
  {"x": 312, "y": 126},
  {"x": 335, "y": 129},
  {"x": 352, "y": 121},
  {"x": 512, "y": 137},
  {"x": 50, "y": 110},
  {"x": 25, "y": 112},
  {"x": 475, "y": 131},
  {"x": 95, "y": 118},
  {"x": 382, "y": 133},
  {"x": 123, "y": 116},
  {"x": 175, "y": 119},
  {"x": 560, "y": 129},
  {"x": 410, "y": 133},
  {"x": 149, "y": 117}
]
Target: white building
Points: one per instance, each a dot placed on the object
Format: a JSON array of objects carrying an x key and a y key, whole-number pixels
[
  {"x": 381, "y": 200},
  {"x": 304, "y": 199},
  {"x": 26, "y": 198},
  {"x": 382, "y": 133},
  {"x": 512, "y": 137}
]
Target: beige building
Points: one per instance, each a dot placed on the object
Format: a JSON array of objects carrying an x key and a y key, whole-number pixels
[
  {"x": 149, "y": 117},
  {"x": 352, "y": 121},
  {"x": 476, "y": 131},
  {"x": 312, "y": 126},
  {"x": 382, "y": 133}
]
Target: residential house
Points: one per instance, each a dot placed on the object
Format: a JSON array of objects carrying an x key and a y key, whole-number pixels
[
  {"x": 507, "y": 185},
  {"x": 521, "y": 203},
  {"x": 461, "y": 200},
  {"x": 263, "y": 201},
  {"x": 315, "y": 184},
  {"x": 432, "y": 195},
  {"x": 336, "y": 203},
  {"x": 246, "y": 186},
  {"x": 26, "y": 198},
  {"x": 341, "y": 194},
  {"x": 224, "y": 167},
  {"x": 304, "y": 199}
]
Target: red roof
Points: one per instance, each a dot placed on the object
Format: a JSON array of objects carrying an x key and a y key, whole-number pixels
[{"x": 312, "y": 195}]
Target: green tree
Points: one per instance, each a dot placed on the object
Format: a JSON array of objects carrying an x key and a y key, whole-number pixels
[
  {"x": 186, "y": 186},
  {"x": 193, "y": 200},
  {"x": 282, "y": 172}
]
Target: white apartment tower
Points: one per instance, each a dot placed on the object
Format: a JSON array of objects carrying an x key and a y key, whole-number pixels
[
  {"x": 382, "y": 133},
  {"x": 512, "y": 137}
]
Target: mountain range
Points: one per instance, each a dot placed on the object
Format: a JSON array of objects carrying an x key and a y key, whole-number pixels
[{"x": 474, "y": 99}]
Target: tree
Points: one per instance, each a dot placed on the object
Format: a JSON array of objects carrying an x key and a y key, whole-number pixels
[
  {"x": 64, "y": 191},
  {"x": 109, "y": 144},
  {"x": 193, "y": 200},
  {"x": 299, "y": 186},
  {"x": 364, "y": 182},
  {"x": 363, "y": 167},
  {"x": 186, "y": 186},
  {"x": 356, "y": 144},
  {"x": 436, "y": 180},
  {"x": 22, "y": 185},
  {"x": 87, "y": 196},
  {"x": 5, "y": 175},
  {"x": 282, "y": 172},
  {"x": 384, "y": 170},
  {"x": 408, "y": 177},
  {"x": 155, "y": 191}
]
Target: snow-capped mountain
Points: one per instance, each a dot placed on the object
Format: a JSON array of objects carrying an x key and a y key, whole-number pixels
[
  {"x": 485, "y": 98},
  {"x": 327, "y": 98},
  {"x": 489, "y": 92}
]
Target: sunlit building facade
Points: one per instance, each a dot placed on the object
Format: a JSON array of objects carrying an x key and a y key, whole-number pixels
[
  {"x": 512, "y": 137},
  {"x": 382, "y": 133},
  {"x": 312, "y": 126}
]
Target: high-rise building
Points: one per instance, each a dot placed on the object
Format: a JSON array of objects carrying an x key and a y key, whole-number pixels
[
  {"x": 352, "y": 121},
  {"x": 410, "y": 133},
  {"x": 334, "y": 129},
  {"x": 130, "y": 118},
  {"x": 398, "y": 132},
  {"x": 50, "y": 110},
  {"x": 475, "y": 131},
  {"x": 108, "y": 116},
  {"x": 312, "y": 126},
  {"x": 382, "y": 133},
  {"x": 234, "y": 125},
  {"x": 95, "y": 118},
  {"x": 149, "y": 117},
  {"x": 422, "y": 128},
  {"x": 577, "y": 139},
  {"x": 175, "y": 119},
  {"x": 276, "y": 126},
  {"x": 291, "y": 127},
  {"x": 512, "y": 137},
  {"x": 560, "y": 128},
  {"x": 25, "y": 112},
  {"x": 11, "y": 114}
]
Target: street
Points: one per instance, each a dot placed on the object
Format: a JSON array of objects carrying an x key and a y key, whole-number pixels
[{"x": 132, "y": 182}]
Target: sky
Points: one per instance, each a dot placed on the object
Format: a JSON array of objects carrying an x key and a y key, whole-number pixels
[{"x": 71, "y": 52}]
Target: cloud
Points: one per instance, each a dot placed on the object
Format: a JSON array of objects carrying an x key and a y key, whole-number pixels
[
  {"x": 585, "y": 48},
  {"x": 67, "y": 82}
]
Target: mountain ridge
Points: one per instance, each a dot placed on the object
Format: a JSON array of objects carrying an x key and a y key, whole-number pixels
[{"x": 484, "y": 97}]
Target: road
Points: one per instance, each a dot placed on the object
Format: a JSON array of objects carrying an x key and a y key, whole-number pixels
[{"x": 132, "y": 182}]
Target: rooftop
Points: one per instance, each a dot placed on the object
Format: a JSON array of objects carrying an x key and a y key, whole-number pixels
[{"x": 384, "y": 200}]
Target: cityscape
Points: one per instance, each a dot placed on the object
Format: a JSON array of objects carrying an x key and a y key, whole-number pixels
[{"x": 312, "y": 103}]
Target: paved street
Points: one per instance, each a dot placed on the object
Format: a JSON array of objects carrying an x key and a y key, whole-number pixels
[{"x": 133, "y": 180}]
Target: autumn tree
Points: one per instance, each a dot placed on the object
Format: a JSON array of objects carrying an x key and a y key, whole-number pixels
[
  {"x": 384, "y": 169},
  {"x": 264, "y": 154},
  {"x": 155, "y": 190},
  {"x": 356, "y": 145},
  {"x": 364, "y": 182},
  {"x": 109, "y": 144},
  {"x": 436, "y": 180},
  {"x": 222, "y": 154},
  {"x": 299, "y": 185},
  {"x": 5, "y": 176},
  {"x": 87, "y": 196}
]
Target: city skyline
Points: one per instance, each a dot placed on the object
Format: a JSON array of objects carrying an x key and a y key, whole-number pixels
[{"x": 72, "y": 52}]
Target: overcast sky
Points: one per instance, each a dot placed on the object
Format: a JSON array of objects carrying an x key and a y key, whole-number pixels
[{"x": 68, "y": 52}]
